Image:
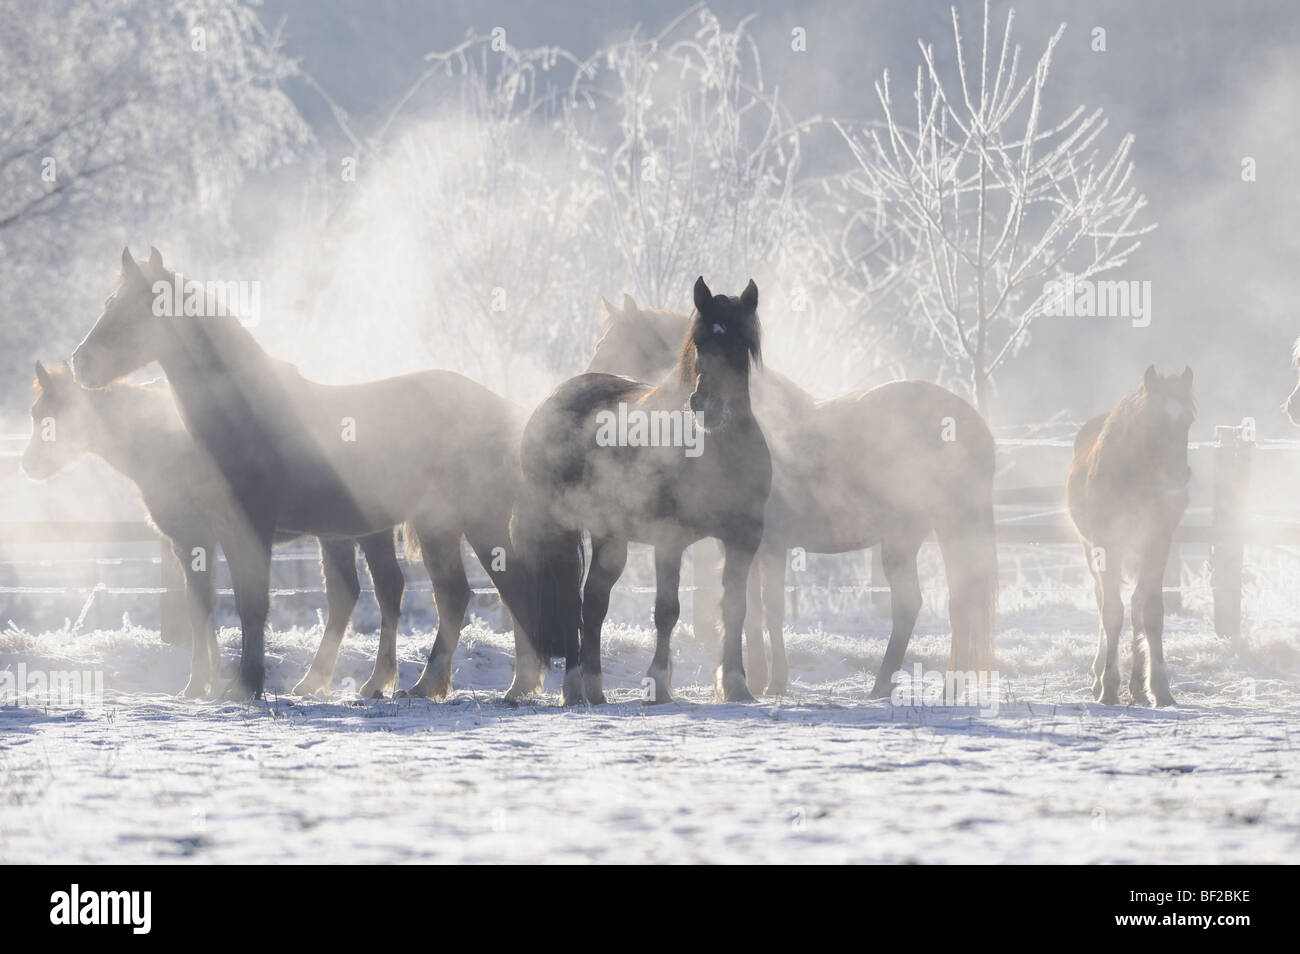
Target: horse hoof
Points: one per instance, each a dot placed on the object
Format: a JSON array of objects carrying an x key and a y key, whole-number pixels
[
  {"x": 568, "y": 699},
  {"x": 516, "y": 693},
  {"x": 593, "y": 688},
  {"x": 1107, "y": 693},
  {"x": 656, "y": 687},
  {"x": 421, "y": 690},
  {"x": 729, "y": 686},
  {"x": 1165, "y": 699},
  {"x": 573, "y": 694},
  {"x": 524, "y": 683},
  {"x": 374, "y": 688},
  {"x": 194, "y": 690},
  {"x": 309, "y": 685}
]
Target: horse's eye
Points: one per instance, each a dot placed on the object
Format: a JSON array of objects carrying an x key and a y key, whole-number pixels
[{"x": 719, "y": 330}]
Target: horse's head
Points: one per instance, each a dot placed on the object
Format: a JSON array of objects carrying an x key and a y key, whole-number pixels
[
  {"x": 127, "y": 334},
  {"x": 1167, "y": 410},
  {"x": 641, "y": 344},
  {"x": 722, "y": 341},
  {"x": 1292, "y": 406},
  {"x": 62, "y": 418}
]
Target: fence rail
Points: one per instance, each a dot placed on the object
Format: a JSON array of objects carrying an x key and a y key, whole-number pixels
[{"x": 1223, "y": 526}]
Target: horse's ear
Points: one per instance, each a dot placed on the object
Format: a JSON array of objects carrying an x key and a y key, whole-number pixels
[
  {"x": 43, "y": 376},
  {"x": 629, "y": 304},
  {"x": 1150, "y": 379},
  {"x": 129, "y": 266},
  {"x": 1187, "y": 375},
  {"x": 607, "y": 305},
  {"x": 155, "y": 258},
  {"x": 749, "y": 297},
  {"x": 703, "y": 297}
]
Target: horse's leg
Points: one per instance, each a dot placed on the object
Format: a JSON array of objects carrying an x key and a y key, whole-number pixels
[
  {"x": 756, "y": 672},
  {"x": 338, "y": 563},
  {"x": 729, "y": 678},
  {"x": 1153, "y": 618},
  {"x": 451, "y": 594},
  {"x": 390, "y": 584},
  {"x": 898, "y": 554},
  {"x": 1098, "y": 661},
  {"x": 200, "y": 598},
  {"x": 248, "y": 553},
  {"x": 772, "y": 564},
  {"x": 668, "y": 571},
  {"x": 608, "y": 558},
  {"x": 1140, "y": 675},
  {"x": 1105, "y": 687},
  {"x": 528, "y": 667},
  {"x": 490, "y": 540}
]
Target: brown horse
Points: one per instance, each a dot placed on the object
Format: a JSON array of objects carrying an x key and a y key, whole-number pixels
[
  {"x": 625, "y": 461},
  {"x": 1127, "y": 493},
  {"x": 138, "y": 432},
  {"x": 336, "y": 461},
  {"x": 886, "y": 465}
]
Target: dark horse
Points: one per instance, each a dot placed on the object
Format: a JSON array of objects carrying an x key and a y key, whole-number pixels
[
  {"x": 433, "y": 449},
  {"x": 1127, "y": 493},
  {"x": 885, "y": 465},
  {"x": 625, "y": 484},
  {"x": 138, "y": 432}
]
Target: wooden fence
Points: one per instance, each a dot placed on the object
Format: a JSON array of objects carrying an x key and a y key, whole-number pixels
[{"x": 1226, "y": 533}]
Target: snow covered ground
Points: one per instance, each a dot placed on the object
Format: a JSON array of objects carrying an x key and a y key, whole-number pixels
[{"x": 824, "y": 775}]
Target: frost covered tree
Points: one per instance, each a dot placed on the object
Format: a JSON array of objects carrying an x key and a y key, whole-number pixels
[
  {"x": 108, "y": 104},
  {"x": 700, "y": 166},
  {"x": 118, "y": 117},
  {"x": 998, "y": 200}
]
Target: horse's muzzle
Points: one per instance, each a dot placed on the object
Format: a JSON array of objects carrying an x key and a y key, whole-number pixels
[
  {"x": 710, "y": 413},
  {"x": 84, "y": 371},
  {"x": 1292, "y": 408}
]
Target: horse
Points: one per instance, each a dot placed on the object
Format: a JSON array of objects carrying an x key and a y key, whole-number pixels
[
  {"x": 707, "y": 473},
  {"x": 138, "y": 432},
  {"x": 1292, "y": 406},
  {"x": 432, "y": 449},
  {"x": 885, "y": 465},
  {"x": 1127, "y": 491}
]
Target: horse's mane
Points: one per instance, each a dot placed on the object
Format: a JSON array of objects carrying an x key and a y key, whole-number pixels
[
  {"x": 225, "y": 335},
  {"x": 751, "y": 336},
  {"x": 150, "y": 404},
  {"x": 1121, "y": 423}
]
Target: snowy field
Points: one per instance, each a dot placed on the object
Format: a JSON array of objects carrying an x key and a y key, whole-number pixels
[{"x": 824, "y": 775}]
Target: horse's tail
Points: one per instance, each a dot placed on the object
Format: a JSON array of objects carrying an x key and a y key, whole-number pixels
[
  {"x": 410, "y": 541},
  {"x": 551, "y": 559},
  {"x": 968, "y": 539}
]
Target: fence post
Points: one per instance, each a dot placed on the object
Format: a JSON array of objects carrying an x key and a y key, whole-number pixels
[
  {"x": 173, "y": 622},
  {"x": 1232, "y": 460}
]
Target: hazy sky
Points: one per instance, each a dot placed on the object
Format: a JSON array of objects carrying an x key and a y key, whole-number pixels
[{"x": 1202, "y": 85}]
